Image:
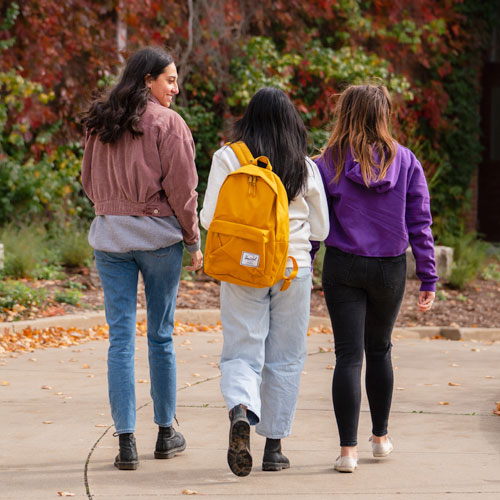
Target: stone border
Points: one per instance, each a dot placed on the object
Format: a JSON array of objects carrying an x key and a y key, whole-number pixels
[{"x": 212, "y": 316}]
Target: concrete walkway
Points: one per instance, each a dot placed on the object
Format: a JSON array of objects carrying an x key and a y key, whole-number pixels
[{"x": 57, "y": 430}]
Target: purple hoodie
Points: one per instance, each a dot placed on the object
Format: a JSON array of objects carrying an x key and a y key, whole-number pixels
[{"x": 380, "y": 220}]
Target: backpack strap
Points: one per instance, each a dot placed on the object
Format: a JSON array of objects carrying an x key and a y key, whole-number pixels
[
  {"x": 288, "y": 279},
  {"x": 242, "y": 152}
]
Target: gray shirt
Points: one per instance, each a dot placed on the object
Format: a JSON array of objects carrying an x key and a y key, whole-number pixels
[{"x": 125, "y": 233}]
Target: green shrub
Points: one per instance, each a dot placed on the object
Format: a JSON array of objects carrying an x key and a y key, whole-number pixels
[
  {"x": 68, "y": 297},
  {"x": 469, "y": 256},
  {"x": 318, "y": 265},
  {"x": 16, "y": 293},
  {"x": 23, "y": 250},
  {"x": 491, "y": 272},
  {"x": 73, "y": 247}
]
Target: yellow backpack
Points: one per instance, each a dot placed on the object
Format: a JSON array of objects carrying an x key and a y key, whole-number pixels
[{"x": 247, "y": 241}]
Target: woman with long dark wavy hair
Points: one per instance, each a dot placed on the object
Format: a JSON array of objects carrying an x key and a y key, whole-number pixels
[
  {"x": 379, "y": 202},
  {"x": 265, "y": 329},
  {"x": 139, "y": 171}
]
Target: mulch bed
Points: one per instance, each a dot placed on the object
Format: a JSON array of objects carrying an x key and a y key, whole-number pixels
[{"x": 478, "y": 305}]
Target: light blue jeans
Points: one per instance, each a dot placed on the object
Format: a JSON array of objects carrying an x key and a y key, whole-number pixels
[
  {"x": 119, "y": 272},
  {"x": 264, "y": 350}
]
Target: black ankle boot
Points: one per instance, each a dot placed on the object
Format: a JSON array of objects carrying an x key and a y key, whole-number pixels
[
  {"x": 127, "y": 458},
  {"x": 169, "y": 443},
  {"x": 239, "y": 458},
  {"x": 273, "y": 458}
]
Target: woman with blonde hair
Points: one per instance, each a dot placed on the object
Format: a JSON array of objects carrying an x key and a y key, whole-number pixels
[{"x": 378, "y": 202}]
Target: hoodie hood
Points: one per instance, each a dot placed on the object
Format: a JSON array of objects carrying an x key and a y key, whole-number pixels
[{"x": 352, "y": 170}]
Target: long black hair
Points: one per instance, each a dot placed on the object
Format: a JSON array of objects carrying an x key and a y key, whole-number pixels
[
  {"x": 120, "y": 110},
  {"x": 272, "y": 127}
]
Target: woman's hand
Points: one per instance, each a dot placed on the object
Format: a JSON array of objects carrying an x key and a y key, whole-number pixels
[
  {"x": 425, "y": 301},
  {"x": 196, "y": 261}
]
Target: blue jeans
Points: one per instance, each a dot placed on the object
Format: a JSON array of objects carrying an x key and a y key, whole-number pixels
[
  {"x": 119, "y": 273},
  {"x": 264, "y": 350},
  {"x": 363, "y": 295}
]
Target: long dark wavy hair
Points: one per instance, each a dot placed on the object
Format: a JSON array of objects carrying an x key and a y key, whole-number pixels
[
  {"x": 272, "y": 127},
  {"x": 119, "y": 110}
]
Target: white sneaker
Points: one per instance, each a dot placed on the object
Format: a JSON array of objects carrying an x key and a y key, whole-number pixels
[
  {"x": 346, "y": 464},
  {"x": 381, "y": 449}
]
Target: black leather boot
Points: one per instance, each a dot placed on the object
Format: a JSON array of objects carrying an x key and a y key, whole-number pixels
[
  {"x": 169, "y": 443},
  {"x": 238, "y": 454},
  {"x": 127, "y": 458},
  {"x": 273, "y": 458}
]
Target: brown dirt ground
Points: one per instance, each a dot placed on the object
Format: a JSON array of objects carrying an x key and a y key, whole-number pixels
[{"x": 478, "y": 305}]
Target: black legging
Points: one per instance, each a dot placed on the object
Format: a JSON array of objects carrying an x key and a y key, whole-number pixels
[{"x": 363, "y": 295}]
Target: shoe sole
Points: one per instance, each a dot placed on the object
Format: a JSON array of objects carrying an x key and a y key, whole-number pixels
[
  {"x": 126, "y": 465},
  {"x": 169, "y": 454},
  {"x": 381, "y": 455},
  {"x": 239, "y": 458},
  {"x": 345, "y": 469},
  {"x": 270, "y": 466}
]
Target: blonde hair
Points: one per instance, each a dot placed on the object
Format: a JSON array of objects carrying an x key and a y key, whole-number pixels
[{"x": 362, "y": 125}]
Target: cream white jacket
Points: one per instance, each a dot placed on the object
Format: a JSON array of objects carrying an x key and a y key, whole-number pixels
[{"x": 308, "y": 212}]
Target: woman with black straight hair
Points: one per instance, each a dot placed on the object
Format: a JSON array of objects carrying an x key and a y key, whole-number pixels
[{"x": 265, "y": 329}]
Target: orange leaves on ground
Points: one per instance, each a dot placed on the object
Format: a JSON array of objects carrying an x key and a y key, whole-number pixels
[
  {"x": 454, "y": 384},
  {"x": 28, "y": 339},
  {"x": 318, "y": 329},
  {"x": 183, "y": 328},
  {"x": 496, "y": 411}
]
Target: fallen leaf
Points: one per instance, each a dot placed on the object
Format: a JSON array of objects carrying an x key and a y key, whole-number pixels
[
  {"x": 91, "y": 376},
  {"x": 4, "y": 383},
  {"x": 47, "y": 422},
  {"x": 47, "y": 387},
  {"x": 65, "y": 494},
  {"x": 58, "y": 393},
  {"x": 143, "y": 381},
  {"x": 489, "y": 376},
  {"x": 213, "y": 341},
  {"x": 454, "y": 384},
  {"x": 330, "y": 367},
  {"x": 188, "y": 384},
  {"x": 401, "y": 388},
  {"x": 33, "y": 360},
  {"x": 454, "y": 365},
  {"x": 189, "y": 492},
  {"x": 444, "y": 403},
  {"x": 195, "y": 374},
  {"x": 304, "y": 372},
  {"x": 85, "y": 365},
  {"x": 203, "y": 355},
  {"x": 101, "y": 425},
  {"x": 475, "y": 349}
]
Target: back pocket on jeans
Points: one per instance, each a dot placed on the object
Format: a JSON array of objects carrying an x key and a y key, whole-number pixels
[
  {"x": 393, "y": 271},
  {"x": 336, "y": 266}
]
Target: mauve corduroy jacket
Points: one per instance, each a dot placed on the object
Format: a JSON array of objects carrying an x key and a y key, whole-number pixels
[{"x": 152, "y": 175}]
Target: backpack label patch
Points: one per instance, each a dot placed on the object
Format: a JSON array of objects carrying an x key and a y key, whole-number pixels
[{"x": 249, "y": 259}]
